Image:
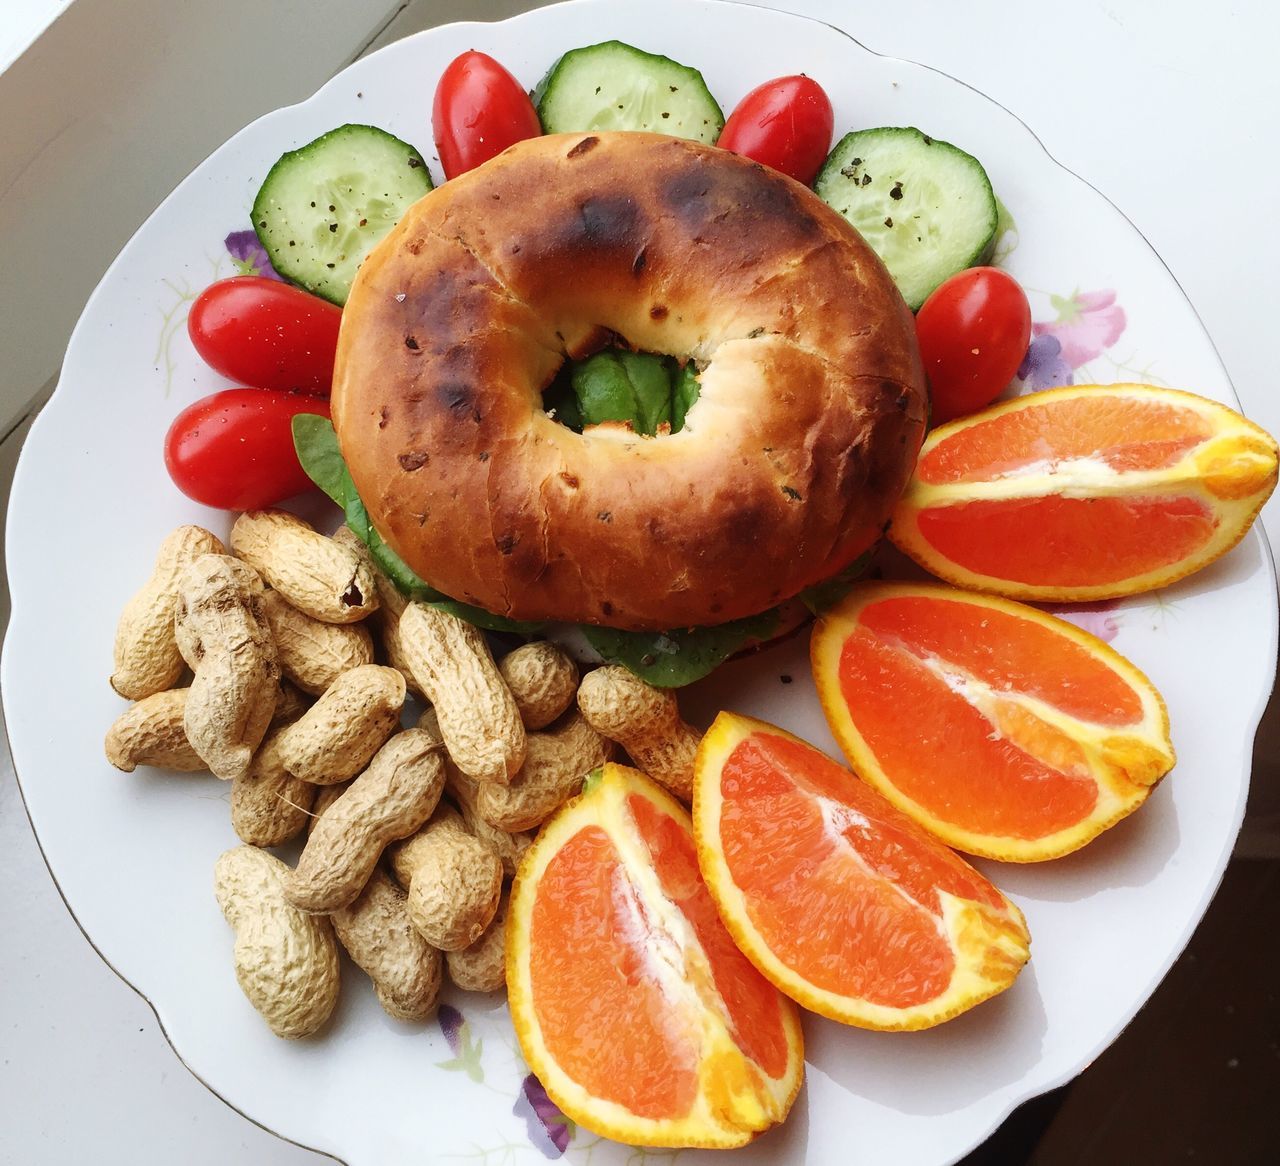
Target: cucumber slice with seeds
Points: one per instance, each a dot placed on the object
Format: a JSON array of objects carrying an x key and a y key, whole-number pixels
[
  {"x": 925, "y": 206},
  {"x": 615, "y": 86},
  {"x": 322, "y": 207}
]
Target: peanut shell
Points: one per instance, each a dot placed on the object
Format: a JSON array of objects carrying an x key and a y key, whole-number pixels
[
  {"x": 286, "y": 961},
  {"x": 390, "y": 800},
  {"x": 151, "y": 733},
  {"x": 328, "y": 581},
  {"x": 406, "y": 971},
  {"x": 147, "y": 659},
  {"x": 335, "y": 738}
]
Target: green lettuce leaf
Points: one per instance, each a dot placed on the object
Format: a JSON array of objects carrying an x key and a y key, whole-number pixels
[
  {"x": 676, "y": 658},
  {"x": 822, "y": 597}
]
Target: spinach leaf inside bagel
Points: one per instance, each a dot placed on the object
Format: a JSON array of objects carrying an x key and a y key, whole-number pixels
[{"x": 649, "y": 392}]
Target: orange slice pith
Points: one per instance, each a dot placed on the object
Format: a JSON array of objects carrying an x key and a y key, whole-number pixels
[
  {"x": 1085, "y": 492},
  {"x": 631, "y": 1003},
  {"x": 844, "y": 903},
  {"x": 1004, "y": 731}
]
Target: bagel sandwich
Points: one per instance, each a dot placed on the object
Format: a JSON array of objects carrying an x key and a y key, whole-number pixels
[{"x": 810, "y": 401}]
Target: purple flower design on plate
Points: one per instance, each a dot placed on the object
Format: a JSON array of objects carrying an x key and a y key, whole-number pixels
[
  {"x": 1087, "y": 324},
  {"x": 248, "y": 255},
  {"x": 549, "y": 1130},
  {"x": 1100, "y": 619},
  {"x": 457, "y": 1032},
  {"x": 1043, "y": 366}
]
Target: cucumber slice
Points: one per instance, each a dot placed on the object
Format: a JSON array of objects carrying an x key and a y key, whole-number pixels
[
  {"x": 615, "y": 86},
  {"x": 925, "y": 206},
  {"x": 323, "y": 206}
]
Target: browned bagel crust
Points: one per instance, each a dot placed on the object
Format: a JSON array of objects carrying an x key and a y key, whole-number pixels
[{"x": 810, "y": 415}]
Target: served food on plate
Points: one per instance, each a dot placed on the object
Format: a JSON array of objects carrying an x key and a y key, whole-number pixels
[
  {"x": 634, "y": 1007},
  {"x": 809, "y": 412},
  {"x": 841, "y": 901},
  {"x": 926, "y": 686},
  {"x": 615, "y": 375},
  {"x": 1086, "y": 492}
]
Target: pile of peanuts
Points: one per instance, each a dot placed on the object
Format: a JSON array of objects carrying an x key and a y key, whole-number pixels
[{"x": 260, "y": 665}]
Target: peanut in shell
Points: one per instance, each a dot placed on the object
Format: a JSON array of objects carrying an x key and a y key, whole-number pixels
[
  {"x": 147, "y": 659},
  {"x": 151, "y": 733},
  {"x": 236, "y": 685},
  {"x": 336, "y": 737},
  {"x": 388, "y": 801},
  {"x": 406, "y": 970},
  {"x": 326, "y": 580}
]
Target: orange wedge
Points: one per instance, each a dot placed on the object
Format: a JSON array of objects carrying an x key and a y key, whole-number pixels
[
  {"x": 1004, "y": 731},
  {"x": 632, "y": 1005},
  {"x": 1086, "y": 492},
  {"x": 843, "y": 902}
]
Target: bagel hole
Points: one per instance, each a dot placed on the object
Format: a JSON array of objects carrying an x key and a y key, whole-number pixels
[{"x": 648, "y": 393}]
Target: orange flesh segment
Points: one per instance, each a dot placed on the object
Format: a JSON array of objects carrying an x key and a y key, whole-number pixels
[
  {"x": 887, "y": 947},
  {"x": 940, "y": 752},
  {"x": 1068, "y": 542},
  {"x": 1008, "y": 653},
  {"x": 754, "y": 1016},
  {"x": 1078, "y": 427},
  {"x": 604, "y": 1015}
]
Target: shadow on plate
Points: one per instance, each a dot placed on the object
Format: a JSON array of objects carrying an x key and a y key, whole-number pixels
[{"x": 983, "y": 1052}]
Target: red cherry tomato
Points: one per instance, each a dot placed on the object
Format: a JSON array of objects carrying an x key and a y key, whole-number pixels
[
  {"x": 234, "y": 449},
  {"x": 479, "y": 111},
  {"x": 786, "y": 124},
  {"x": 265, "y": 333},
  {"x": 973, "y": 331}
]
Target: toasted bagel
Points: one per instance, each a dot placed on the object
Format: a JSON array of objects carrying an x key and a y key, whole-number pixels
[{"x": 812, "y": 397}]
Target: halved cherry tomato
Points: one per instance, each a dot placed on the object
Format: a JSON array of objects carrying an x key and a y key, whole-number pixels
[
  {"x": 973, "y": 332},
  {"x": 234, "y": 449},
  {"x": 261, "y": 332},
  {"x": 479, "y": 110},
  {"x": 785, "y": 123}
]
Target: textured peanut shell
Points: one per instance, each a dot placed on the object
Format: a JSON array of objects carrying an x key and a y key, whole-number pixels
[
  {"x": 389, "y": 800},
  {"x": 269, "y": 806},
  {"x": 286, "y": 961},
  {"x": 151, "y": 733},
  {"x": 328, "y": 581},
  {"x": 454, "y": 881},
  {"x": 386, "y": 620},
  {"x": 290, "y": 705},
  {"x": 645, "y": 721},
  {"x": 543, "y": 681},
  {"x": 335, "y": 738},
  {"x": 453, "y": 666},
  {"x": 313, "y": 654},
  {"x": 237, "y": 676},
  {"x": 482, "y": 966},
  {"x": 554, "y": 766},
  {"x": 147, "y": 659},
  {"x": 326, "y": 795},
  {"x": 509, "y": 847},
  {"x": 406, "y": 970}
]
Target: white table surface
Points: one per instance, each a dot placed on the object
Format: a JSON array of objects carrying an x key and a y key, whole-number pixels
[{"x": 1167, "y": 108}]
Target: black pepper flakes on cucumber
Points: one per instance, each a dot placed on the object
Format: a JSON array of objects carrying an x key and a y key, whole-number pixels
[
  {"x": 616, "y": 86},
  {"x": 925, "y": 206},
  {"x": 323, "y": 207}
]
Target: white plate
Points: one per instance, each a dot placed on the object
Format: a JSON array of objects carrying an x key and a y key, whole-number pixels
[{"x": 133, "y": 854}]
